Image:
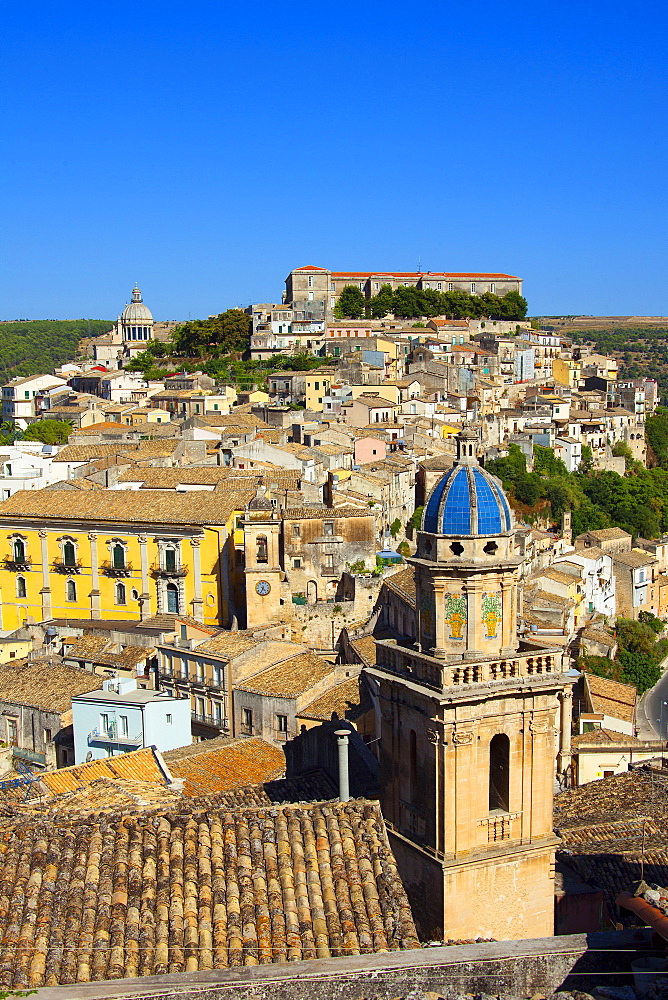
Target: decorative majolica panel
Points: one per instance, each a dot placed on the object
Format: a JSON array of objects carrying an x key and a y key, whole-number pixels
[
  {"x": 427, "y": 608},
  {"x": 455, "y": 615},
  {"x": 490, "y": 612}
]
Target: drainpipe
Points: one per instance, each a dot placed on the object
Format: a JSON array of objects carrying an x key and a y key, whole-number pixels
[{"x": 344, "y": 785}]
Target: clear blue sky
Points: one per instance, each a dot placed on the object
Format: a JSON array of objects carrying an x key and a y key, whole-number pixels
[{"x": 207, "y": 148}]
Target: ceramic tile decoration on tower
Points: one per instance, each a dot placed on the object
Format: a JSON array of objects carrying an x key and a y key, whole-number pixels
[{"x": 469, "y": 718}]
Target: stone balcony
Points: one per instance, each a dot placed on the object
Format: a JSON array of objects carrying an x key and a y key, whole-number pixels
[{"x": 434, "y": 673}]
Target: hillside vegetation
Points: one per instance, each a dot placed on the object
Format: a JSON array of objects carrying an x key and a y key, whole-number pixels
[{"x": 34, "y": 347}]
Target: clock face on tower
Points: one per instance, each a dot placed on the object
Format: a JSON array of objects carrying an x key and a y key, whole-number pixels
[{"x": 262, "y": 588}]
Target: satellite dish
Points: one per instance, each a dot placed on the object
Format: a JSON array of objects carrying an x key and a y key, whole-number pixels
[{"x": 89, "y": 756}]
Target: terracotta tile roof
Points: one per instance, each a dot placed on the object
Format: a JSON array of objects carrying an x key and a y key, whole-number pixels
[
  {"x": 606, "y": 737},
  {"x": 314, "y": 786},
  {"x": 229, "y": 644},
  {"x": 365, "y": 647},
  {"x": 606, "y": 534},
  {"x": 41, "y": 684},
  {"x": 289, "y": 678},
  {"x": 403, "y": 583},
  {"x": 348, "y": 700},
  {"x": 237, "y": 763},
  {"x": 147, "y": 892},
  {"x": 611, "y": 697},
  {"x": 611, "y": 826},
  {"x": 107, "y": 795},
  {"x": 145, "y": 449},
  {"x": 138, "y": 765},
  {"x": 130, "y": 506},
  {"x": 634, "y": 558},
  {"x": 418, "y": 274}
]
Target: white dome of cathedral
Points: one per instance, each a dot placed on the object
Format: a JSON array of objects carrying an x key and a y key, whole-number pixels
[{"x": 136, "y": 311}]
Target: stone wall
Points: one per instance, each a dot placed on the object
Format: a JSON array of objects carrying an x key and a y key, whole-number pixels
[{"x": 513, "y": 968}]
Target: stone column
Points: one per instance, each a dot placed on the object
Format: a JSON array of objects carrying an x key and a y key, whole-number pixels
[
  {"x": 441, "y": 645},
  {"x": 508, "y": 625},
  {"x": 564, "y": 757},
  {"x": 433, "y": 737},
  {"x": 464, "y": 740},
  {"x": 46, "y": 588},
  {"x": 474, "y": 624},
  {"x": 198, "y": 603},
  {"x": 95, "y": 611},
  {"x": 145, "y": 596}
]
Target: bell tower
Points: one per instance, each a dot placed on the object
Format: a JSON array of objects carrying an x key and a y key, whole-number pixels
[
  {"x": 262, "y": 571},
  {"x": 467, "y": 717}
]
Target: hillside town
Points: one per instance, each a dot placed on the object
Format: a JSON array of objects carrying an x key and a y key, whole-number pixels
[{"x": 293, "y": 669}]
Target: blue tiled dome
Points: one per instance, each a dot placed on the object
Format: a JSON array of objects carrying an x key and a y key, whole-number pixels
[{"x": 466, "y": 501}]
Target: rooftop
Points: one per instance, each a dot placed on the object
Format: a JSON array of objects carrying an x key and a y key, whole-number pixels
[
  {"x": 43, "y": 684},
  {"x": 231, "y": 764},
  {"x": 289, "y": 678}
]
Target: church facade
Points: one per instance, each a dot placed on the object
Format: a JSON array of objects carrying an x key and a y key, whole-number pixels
[
  {"x": 472, "y": 723},
  {"x": 130, "y": 336}
]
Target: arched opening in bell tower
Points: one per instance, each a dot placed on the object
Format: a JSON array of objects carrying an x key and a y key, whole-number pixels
[{"x": 499, "y": 772}]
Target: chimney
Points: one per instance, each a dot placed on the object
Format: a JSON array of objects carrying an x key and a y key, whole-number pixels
[{"x": 344, "y": 784}]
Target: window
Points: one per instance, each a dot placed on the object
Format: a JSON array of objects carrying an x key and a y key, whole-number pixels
[
  {"x": 47, "y": 735},
  {"x": 120, "y": 593},
  {"x": 20, "y": 586},
  {"x": 329, "y": 560},
  {"x": 218, "y": 676},
  {"x": 218, "y": 712},
  {"x": 104, "y": 722},
  {"x": 473, "y": 288},
  {"x": 19, "y": 550},
  {"x": 71, "y": 590},
  {"x": 261, "y": 545},
  {"x": 170, "y": 560},
  {"x": 118, "y": 556},
  {"x": 310, "y": 281},
  {"x": 168, "y": 720},
  {"x": 12, "y": 732},
  {"x": 439, "y": 285},
  {"x": 499, "y": 767},
  {"x": 451, "y": 286},
  {"x": 282, "y": 723},
  {"x": 124, "y": 725},
  {"x": 316, "y": 386},
  {"x": 492, "y": 288},
  {"x": 310, "y": 296},
  {"x": 361, "y": 286},
  {"x": 296, "y": 564},
  {"x": 328, "y": 527},
  {"x": 247, "y": 719},
  {"x": 184, "y": 631},
  {"x": 200, "y": 706},
  {"x": 296, "y": 531}
]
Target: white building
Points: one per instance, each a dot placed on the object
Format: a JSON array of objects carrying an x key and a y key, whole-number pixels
[
  {"x": 29, "y": 465},
  {"x": 598, "y": 578},
  {"x": 23, "y": 398},
  {"x": 569, "y": 450},
  {"x": 123, "y": 717}
]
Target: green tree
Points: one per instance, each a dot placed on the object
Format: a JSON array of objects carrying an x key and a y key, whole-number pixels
[
  {"x": 351, "y": 303},
  {"x": 545, "y": 463},
  {"x": 586, "y": 460},
  {"x": 415, "y": 521},
  {"x": 383, "y": 303},
  {"x": 621, "y": 450},
  {"x": 395, "y": 527},
  {"x": 48, "y": 431},
  {"x": 228, "y": 332}
]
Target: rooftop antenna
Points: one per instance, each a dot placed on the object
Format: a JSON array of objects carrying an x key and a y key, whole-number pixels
[{"x": 419, "y": 265}]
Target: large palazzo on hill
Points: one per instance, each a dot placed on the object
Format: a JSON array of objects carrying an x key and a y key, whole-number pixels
[{"x": 469, "y": 719}]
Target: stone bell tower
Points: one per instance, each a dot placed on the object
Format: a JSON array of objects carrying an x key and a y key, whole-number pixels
[
  {"x": 467, "y": 717},
  {"x": 262, "y": 561}
]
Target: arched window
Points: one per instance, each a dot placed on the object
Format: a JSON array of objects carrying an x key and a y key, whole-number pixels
[
  {"x": 69, "y": 554},
  {"x": 262, "y": 549},
  {"x": 120, "y": 593},
  {"x": 71, "y": 590},
  {"x": 118, "y": 556},
  {"x": 499, "y": 772},
  {"x": 20, "y": 586},
  {"x": 172, "y": 598},
  {"x": 19, "y": 550}
]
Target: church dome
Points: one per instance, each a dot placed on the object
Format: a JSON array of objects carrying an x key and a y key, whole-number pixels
[
  {"x": 467, "y": 500},
  {"x": 136, "y": 311}
]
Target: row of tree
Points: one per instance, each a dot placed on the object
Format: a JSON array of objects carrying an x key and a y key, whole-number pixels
[{"x": 411, "y": 302}]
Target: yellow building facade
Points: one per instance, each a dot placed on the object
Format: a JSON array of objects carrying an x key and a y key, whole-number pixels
[{"x": 116, "y": 554}]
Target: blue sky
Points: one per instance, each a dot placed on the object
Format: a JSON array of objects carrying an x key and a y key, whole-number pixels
[{"x": 205, "y": 149}]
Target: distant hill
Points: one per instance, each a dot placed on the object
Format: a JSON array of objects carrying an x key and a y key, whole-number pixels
[{"x": 33, "y": 346}]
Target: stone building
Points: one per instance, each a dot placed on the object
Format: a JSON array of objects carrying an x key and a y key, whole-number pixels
[
  {"x": 312, "y": 292},
  {"x": 466, "y": 715}
]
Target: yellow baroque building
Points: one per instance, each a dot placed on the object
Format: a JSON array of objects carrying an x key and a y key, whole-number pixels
[{"x": 117, "y": 554}]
